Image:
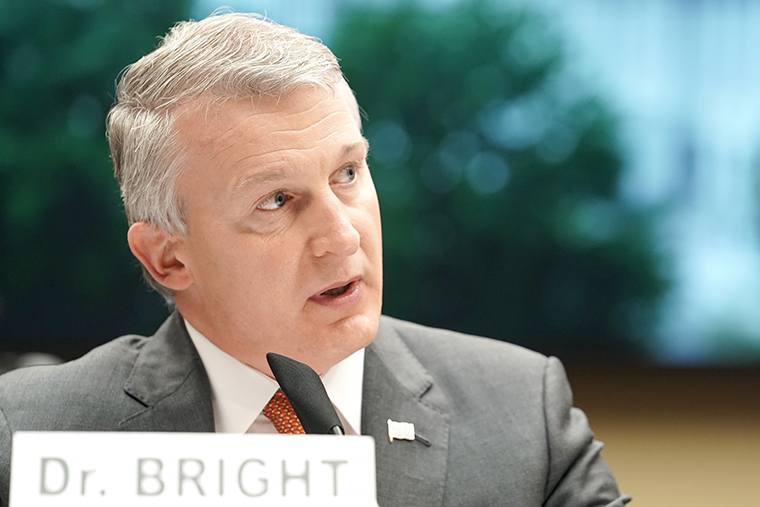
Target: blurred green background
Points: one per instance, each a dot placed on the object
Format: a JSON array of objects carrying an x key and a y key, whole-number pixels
[{"x": 499, "y": 178}]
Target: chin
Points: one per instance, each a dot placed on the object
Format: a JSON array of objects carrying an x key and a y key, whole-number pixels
[
  {"x": 360, "y": 328},
  {"x": 347, "y": 336}
]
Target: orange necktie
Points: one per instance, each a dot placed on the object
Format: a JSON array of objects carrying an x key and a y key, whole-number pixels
[{"x": 281, "y": 413}]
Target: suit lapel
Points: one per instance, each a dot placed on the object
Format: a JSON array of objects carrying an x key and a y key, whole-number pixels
[
  {"x": 397, "y": 387},
  {"x": 168, "y": 378}
]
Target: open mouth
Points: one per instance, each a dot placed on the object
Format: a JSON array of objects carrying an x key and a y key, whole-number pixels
[{"x": 337, "y": 291}]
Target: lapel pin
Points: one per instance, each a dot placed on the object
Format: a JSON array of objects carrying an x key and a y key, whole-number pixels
[{"x": 400, "y": 430}]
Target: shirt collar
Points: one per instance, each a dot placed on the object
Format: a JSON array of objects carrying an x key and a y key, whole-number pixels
[{"x": 240, "y": 392}]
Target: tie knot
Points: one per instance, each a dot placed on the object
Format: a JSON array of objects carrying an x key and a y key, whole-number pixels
[{"x": 281, "y": 413}]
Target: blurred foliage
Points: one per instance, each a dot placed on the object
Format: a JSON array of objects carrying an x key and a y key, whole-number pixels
[
  {"x": 497, "y": 179},
  {"x": 66, "y": 273}
]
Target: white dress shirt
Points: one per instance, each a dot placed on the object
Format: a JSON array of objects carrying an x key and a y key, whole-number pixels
[{"x": 240, "y": 393}]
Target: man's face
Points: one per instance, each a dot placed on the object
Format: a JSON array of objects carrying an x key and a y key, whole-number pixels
[{"x": 284, "y": 243}]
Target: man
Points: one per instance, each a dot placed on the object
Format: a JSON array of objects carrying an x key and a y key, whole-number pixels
[{"x": 238, "y": 148}]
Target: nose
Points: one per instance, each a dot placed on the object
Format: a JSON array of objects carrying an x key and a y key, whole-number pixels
[{"x": 333, "y": 231}]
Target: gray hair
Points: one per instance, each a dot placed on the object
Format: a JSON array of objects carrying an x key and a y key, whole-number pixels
[{"x": 225, "y": 56}]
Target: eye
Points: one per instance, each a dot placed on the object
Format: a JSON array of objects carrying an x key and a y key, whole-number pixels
[
  {"x": 346, "y": 175},
  {"x": 274, "y": 201}
]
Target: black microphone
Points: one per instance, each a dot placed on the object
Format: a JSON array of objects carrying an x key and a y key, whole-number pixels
[{"x": 304, "y": 390}]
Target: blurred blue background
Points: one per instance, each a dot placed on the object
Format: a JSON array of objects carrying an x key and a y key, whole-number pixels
[{"x": 578, "y": 177}]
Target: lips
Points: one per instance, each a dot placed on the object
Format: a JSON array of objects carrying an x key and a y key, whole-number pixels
[
  {"x": 340, "y": 294},
  {"x": 337, "y": 291}
]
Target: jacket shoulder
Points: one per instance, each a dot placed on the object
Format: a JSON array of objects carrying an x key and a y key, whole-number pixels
[
  {"x": 54, "y": 397},
  {"x": 464, "y": 352}
]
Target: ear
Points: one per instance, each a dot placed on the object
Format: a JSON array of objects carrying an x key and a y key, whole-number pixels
[{"x": 157, "y": 250}]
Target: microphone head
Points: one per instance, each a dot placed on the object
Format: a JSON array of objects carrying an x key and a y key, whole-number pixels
[{"x": 305, "y": 391}]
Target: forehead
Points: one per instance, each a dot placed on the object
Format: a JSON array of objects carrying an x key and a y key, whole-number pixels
[
  {"x": 208, "y": 125},
  {"x": 233, "y": 148}
]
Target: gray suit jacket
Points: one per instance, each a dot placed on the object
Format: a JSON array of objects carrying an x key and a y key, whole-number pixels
[{"x": 498, "y": 418}]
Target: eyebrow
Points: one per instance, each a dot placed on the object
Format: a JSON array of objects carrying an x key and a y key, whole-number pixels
[
  {"x": 347, "y": 149},
  {"x": 263, "y": 177},
  {"x": 281, "y": 174}
]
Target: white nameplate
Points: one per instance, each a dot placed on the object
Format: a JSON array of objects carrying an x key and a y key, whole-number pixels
[{"x": 190, "y": 469}]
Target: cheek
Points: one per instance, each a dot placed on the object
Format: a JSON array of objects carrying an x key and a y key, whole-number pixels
[
  {"x": 219, "y": 258},
  {"x": 262, "y": 285},
  {"x": 370, "y": 222},
  {"x": 271, "y": 267}
]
